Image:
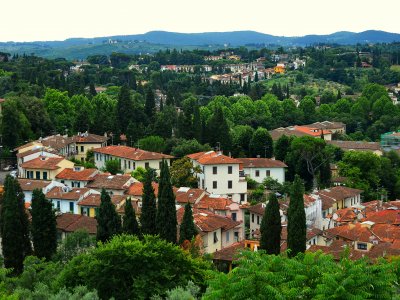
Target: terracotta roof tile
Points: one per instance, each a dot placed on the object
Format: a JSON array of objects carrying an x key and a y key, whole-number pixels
[
  {"x": 131, "y": 153},
  {"x": 261, "y": 163},
  {"x": 95, "y": 200},
  {"x": 71, "y": 223},
  {"x": 31, "y": 184},
  {"x": 229, "y": 253},
  {"x": 185, "y": 195},
  {"x": 339, "y": 192},
  {"x": 388, "y": 216},
  {"x": 89, "y": 138},
  {"x": 75, "y": 194},
  {"x": 71, "y": 174},
  {"x": 36, "y": 150},
  {"x": 136, "y": 189},
  {"x": 212, "y": 158},
  {"x": 356, "y": 145},
  {"x": 111, "y": 182},
  {"x": 42, "y": 162},
  {"x": 212, "y": 203}
]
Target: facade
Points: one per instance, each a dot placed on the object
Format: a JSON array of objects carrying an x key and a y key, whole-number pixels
[
  {"x": 33, "y": 153},
  {"x": 130, "y": 158},
  {"x": 66, "y": 200},
  {"x": 45, "y": 168},
  {"x": 90, "y": 203},
  {"x": 260, "y": 168},
  {"x": 76, "y": 177},
  {"x": 220, "y": 175},
  {"x": 85, "y": 142}
]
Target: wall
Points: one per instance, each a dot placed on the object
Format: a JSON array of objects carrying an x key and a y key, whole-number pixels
[
  {"x": 208, "y": 241},
  {"x": 275, "y": 173},
  {"x": 81, "y": 155}
]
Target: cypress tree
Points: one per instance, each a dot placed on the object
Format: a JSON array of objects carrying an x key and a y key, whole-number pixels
[
  {"x": 282, "y": 146},
  {"x": 149, "y": 208},
  {"x": 130, "y": 224},
  {"x": 14, "y": 226},
  {"x": 261, "y": 143},
  {"x": 187, "y": 229},
  {"x": 44, "y": 226},
  {"x": 166, "y": 212},
  {"x": 124, "y": 108},
  {"x": 271, "y": 227},
  {"x": 218, "y": 130},
  {"x": 297, "y": 230},
  {"x": 150, "y": 105},
  {"x": 108, "y": 220}
]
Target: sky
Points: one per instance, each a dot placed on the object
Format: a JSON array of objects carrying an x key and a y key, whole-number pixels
[{"x": 38, "y": 20}]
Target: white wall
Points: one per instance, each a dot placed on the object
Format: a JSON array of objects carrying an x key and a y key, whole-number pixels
[
  {"x": 208, "y": 241},
  {"x": 275, "y": 173},
  {"x": 69, "y": 182}
]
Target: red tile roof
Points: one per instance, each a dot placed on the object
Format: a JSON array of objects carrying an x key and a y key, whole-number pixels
[
  {"x": 71, "y": 223},
  {"x": 95, "y": 200},
  {"x": 185, "y": 195},
  {"x": 212, "y": 203},
  {"x": 212, "y": 158},
  {"x": 258, "y": 209},
  {"x": 229, "y": 253},
  {"x": 388, "y": 216},
  {"x": 111, "y": 182},
  {"x": 356, "y": 145},
  {"x": 136, "y": 189},
  {"x": 339, "y": 192},
  {"x": 89, "y": 138},
  {"x": 31, "y": 184},
  {"x": 75, "y": 194},
  {"x": 131, "y": 153},
  {"x": 261, "y": 163},
  {"x": 36, "y": 150},
  {"x": 42, "y": 162},
  {"x": 71, "y": 174}
]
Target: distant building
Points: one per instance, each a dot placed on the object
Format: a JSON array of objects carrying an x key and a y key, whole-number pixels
[{"x": 260, "y": 168}]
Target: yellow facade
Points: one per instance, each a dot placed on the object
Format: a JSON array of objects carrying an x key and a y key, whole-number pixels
[
  {"x": 90, "y": 211},
  {"x": 49, "y": 174},
  {"x": 82, "y": 149},
  {"x": 279, "y": 69}
]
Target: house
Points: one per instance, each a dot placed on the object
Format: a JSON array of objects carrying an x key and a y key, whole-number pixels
[
  {"x": 130, "y": 158},
  {"x": 373, "y": 147},
  {"x": 221, "y": 206},
  {"x": 224, "y": 258},
  {"x": 44, "y": 167},
  {"x": 185, "y": 195},
  {"x": 113, "y": 184},
  {"x": 90, "y": 203},
  {"x": 76, "y": 177},
  {"x": 29, "y": 185},
  {"x": 66, "y": 200},
  {"x": 260, "y": 168},
  {"x": 59, "y": 144},
  {"x": 220, "y": 175},
  {"x": 67, "y": 223},
  {"x": 217, "y": 232},
  {"x": 33, "y": 153},
  {"x": 299, "y": 131},
  {"x": 334, "y": 127},
  {"x": 136, "y": 190},
  {"x": 279, "y": 69},
  {"x": 87, "y": 141}
]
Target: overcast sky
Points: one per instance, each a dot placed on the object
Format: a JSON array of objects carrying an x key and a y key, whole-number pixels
[{"x": 30, "y": 20}]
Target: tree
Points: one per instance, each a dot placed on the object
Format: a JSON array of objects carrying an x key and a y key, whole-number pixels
[
  {"x": 108, "y": 221},
  {"x": 74, "y": 244},
  {"x": 44, "y": 226},
  {"x": 14, "y": 226},
  {"x": 297, "y": 229},
  {"x": 139, "y": 174},
  {"x": 187, "y": 229},
  {"x": 150, "y": 105},
  {"x": 185, "y": 147},
  {"x": 125, "y": 108},
  {"x": 281, "y": 148},
  {"x": 139, "y": 268},
  {"x": 218, "y": 132},
  {"x": 149, "y": 208},
  {"x": 130, "y": 224},
  {"x": 183, "y": 173},
  {"x": 113, "y": 166},
  {"x": 166, "y": 212},
  {"x": 152, "y": 143},
  {"x": 261, "y": 144},
  {"x": 271, "y": 227}
]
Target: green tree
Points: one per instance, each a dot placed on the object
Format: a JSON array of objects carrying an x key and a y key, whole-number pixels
[
  {"x": 130, "y": 224},
  {"x": 150, "y": 105},
  {"x": 125, "y": 108},
  {"x": 14, "y": 226},
  {"x": 108, "y": 220},
  {"x": 166, "y": 212},
  {"x": 152, "y": 143},
  {"x": 44, "y": 226},
  {"x": 271, "y": 227},
  {"x": 218, "y": 131},
  {"x": 183, "y": 173},
  {"x": 261, "y": 143},
  {"x": 149, "y": 208},
  {"x": 113, "y": 166},
  {"x": 139, "y": 268},
  {"x": 187, "y": 229},
  {"x": 74, "y": 244},
  {"x": 297, "y": 229},
  {"x": 139, "y": 174},
  {"x": 281, "y": 148},
  {"x": 185, "y": 147}
]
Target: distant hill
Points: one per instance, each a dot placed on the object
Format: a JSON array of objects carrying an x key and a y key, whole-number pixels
[{"x": 156, "y": 40}]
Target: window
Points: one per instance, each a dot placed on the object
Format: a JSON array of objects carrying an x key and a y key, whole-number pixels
[
  {"x": 215, "y": 237},
  {"x": 229, "y": 184},
  {"x": 82, "y": 149},
  {"x": 227, "y": 236},
  {"x": 45, "y": 175},
  {"x": 258, "y": 220},
  {"x": 229, "y": 169},
  {"x": 133, "y": 165},
  {"x": 214, "y": 185},
  {"x": 202, "y": 183},
  {"x": 234, "y": 216},
  {"x": 242, "y": 197},
  {"x": 160, "y": 165},
  {"x": 58, "y": 205},
  {"x": 324, "y": 214},
  {"x": 129, "y": 164},
  {"x": 361, "y": 246},
  {"x": 257, "y": 173},
  {"x": 37, "y": 174},
  {"x": 97, "y": 156},
  {"x": 268, "y": 173},
  {"x": 236, "y": 236},
  {"x": 252, "y": 218},
  {"x": 146, "y": 165},
  {"x": 215, "y": 170},
  {"x": 76, "y": 149},
  {"x": 71, "y": 207}
]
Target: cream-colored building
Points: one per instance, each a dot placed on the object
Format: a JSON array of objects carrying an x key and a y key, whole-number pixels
[
  {"x": 45, "y": 168},
  {"x": 84, "y": 142}
]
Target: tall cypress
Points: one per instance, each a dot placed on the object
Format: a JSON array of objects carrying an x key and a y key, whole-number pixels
[
  {"x": 44, "y": 226},
  {"x": 271, "y": 227},
  {"x": 149, "y": 208},
  {"x": 124, "y": 108},
  {"x": 166, "y": 212},
  {"x": 297, "y": 230},
  {"x": 130, "y": 224},
  {"x": 150, "y": 104},
  {"x": 108, "y": 220},
  {"x": 187, "y": 229},
  {"x": 14, "y": 226}
]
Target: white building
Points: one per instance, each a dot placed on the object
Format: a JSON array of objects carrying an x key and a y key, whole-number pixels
[
  {"x": 76, "y": 177},
  {"x": 130, "y": 158},
  {"x": 220, "y": 175},
  {"x": 260, "y": 168}
]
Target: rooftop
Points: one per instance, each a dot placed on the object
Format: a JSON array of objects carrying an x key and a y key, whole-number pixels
[
  {"x": 89, "y": 138},
  {"x": 80, "y": 175},
  {"x": 65, "y": 193},
  {"x": 71, "y": 223},
  {"x": 212, "y": 158},
  {"x": 31, "y": 184},
  {"x": 43, "y": 162},
  {"x": 261, "y": 163},
  {"x": 112, "y": 182},
  {"x": 131, "y": 153}
]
